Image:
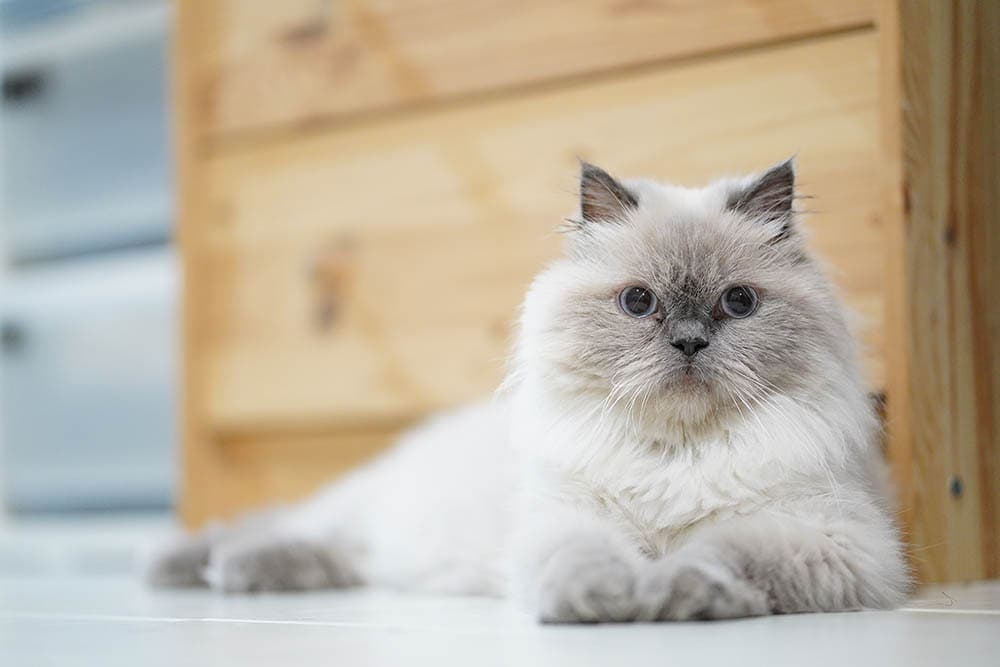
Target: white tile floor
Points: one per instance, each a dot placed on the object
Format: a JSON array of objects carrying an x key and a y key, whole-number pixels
[
  {"x": 78, "y": 617},
  {"x": 93, "y": 620}
]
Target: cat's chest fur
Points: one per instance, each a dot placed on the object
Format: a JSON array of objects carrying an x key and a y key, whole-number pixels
[
  {"x": 660, "y": 484},
  {"x": 661, "y": 493},
  {"x": 656, "y": 489}
]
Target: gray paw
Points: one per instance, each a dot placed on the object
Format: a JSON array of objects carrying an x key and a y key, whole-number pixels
[
  {"x": 694, "y": 591},
  {"x": 583, "y": 584},
  {"x": 178, "y": 564},
  {"x": 292, "y": 565}
]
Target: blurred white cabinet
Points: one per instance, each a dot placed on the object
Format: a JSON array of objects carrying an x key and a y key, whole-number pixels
[
  {"x": 85, "y": 164},
  {"x": 88, "y": 383},
  {"x": 87, "y": 304}
]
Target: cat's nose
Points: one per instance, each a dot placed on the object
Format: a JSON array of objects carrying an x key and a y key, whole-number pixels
[{"x": 690, "y": 345}]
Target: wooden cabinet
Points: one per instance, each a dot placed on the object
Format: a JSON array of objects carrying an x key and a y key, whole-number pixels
[
  {"x": 260, "y": 65},
  {"x": 368, "y": 187},
  {"x": 941, "y": 169},
  {"x": 355, "y": 259}
]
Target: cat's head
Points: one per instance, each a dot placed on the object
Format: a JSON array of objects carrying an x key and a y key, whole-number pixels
[{"x": 683, "y": 304}]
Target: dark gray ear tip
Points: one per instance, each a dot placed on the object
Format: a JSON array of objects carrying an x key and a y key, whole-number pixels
[
  {"x": 784, "y": 168},
  {"x": 588, "y": 170}
]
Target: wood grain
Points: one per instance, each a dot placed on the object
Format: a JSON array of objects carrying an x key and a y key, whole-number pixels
[
  {"x": 427, "y": 228},
  {"x": 199, "y": 462},
  {"x": 257, "y": 467},
  {"x": 266, "y": 64},
  {"x": 941, "y": 98}
]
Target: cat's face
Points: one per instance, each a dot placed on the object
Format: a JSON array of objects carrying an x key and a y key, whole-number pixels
[{"x": 682, "y": 304}]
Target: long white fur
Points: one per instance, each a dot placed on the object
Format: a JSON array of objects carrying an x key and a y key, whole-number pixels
[{"x": 582, "y": 509}]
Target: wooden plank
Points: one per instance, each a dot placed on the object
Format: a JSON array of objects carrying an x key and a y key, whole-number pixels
[
  {"x": 266, "y": 64},
  {"x": 941, "y": 101},
  {"x": 429, "y": 227},
  {"x": 200, "y": 465}
]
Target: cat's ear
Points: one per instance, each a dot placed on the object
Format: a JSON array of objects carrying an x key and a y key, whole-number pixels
[
  {"x": 768, "y": 199},
  {"x": 602, "y": 198}
]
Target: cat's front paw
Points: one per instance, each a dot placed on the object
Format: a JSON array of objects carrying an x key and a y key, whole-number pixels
[
  {"x": 689, "y": 591},
  {"x": 586, "y": 584}
]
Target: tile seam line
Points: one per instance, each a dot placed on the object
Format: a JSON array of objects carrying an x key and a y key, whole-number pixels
[
  {"x": 14, "y": 615},
  {"x": 10, "y": 615},
  {"x": 174, "y": 619},
  {"x": 984, "y": 612}
]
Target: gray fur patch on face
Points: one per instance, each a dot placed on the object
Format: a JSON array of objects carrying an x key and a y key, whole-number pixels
[{"x": 688, "y": 247}]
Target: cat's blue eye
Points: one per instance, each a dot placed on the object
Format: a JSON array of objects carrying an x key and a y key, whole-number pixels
[
  {"x": 739, "y": 301},
  {"x": 637, "y": 302}
]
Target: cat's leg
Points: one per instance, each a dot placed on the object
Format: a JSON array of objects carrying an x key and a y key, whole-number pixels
[
  {"x": 774, "y": 562},
  {"x": 570, "y": 567},
  {"x": 431, "y": 514}
]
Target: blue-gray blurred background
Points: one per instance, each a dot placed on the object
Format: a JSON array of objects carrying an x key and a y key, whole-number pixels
[{"x": 88, "y": 279}]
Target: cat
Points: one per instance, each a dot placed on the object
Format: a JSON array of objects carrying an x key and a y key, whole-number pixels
[{"x": 683, "y": 434}]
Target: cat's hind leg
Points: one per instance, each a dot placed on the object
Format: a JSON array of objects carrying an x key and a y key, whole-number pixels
[
  {"x": 181, "y": 561},
  {"x": 280, "y": 549},
  {"x": 255, "y": 553},
  {"x": 430, "y": 514},
  {"x": 317, "y": 543},
  {"x": 275, "y": 563}
]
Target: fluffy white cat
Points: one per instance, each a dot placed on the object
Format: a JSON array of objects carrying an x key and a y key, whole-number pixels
[{"x": 683, "y": 434}]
